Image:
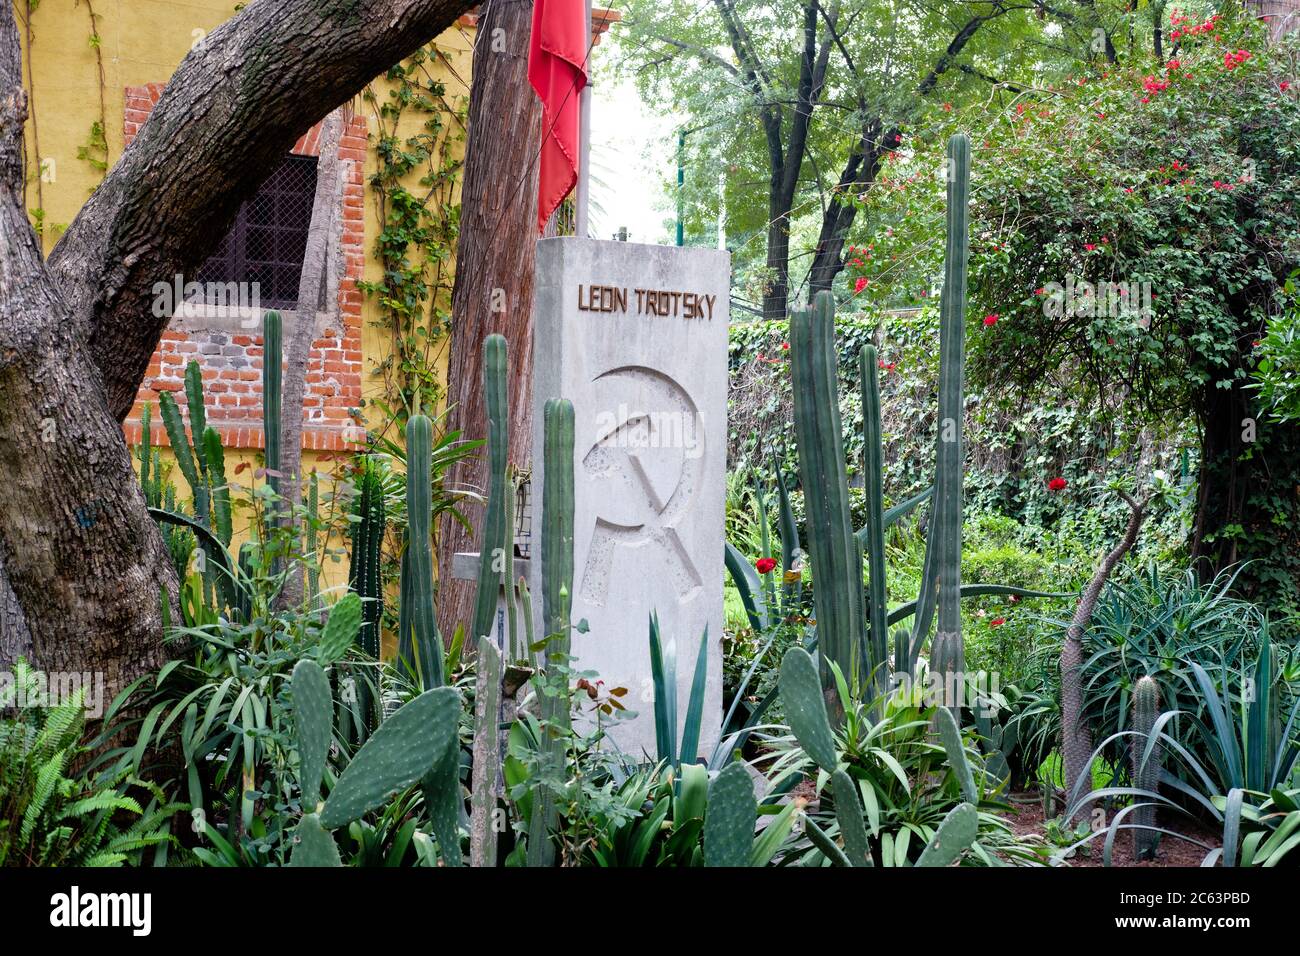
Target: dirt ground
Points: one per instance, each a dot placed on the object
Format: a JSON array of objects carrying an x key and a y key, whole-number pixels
[{"x": 1027, "y": 818}]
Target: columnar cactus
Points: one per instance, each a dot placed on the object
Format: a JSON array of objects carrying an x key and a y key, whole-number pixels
[
  {"x": 1146, "y": 758},
  {"x": 557, "y": 519},
  {"x": 487, "y": 756},
  {"x": 419, "y": 646},
  {"x": 832, "y": 545},
  {"x": 184, "y": 453},
  {"x": 557, "y": 586},
  {"x": 873, "y": 470},
  {"x": 947, "y": 654},
  {"x": 364, "y": 575},
  {"x": 312, "y": 543},
  {"x": 272, "y": 392},
  {"x": 495, "y": 533}
]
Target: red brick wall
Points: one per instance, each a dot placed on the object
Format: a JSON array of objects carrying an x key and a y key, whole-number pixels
[{"x": 232, "y": 361}]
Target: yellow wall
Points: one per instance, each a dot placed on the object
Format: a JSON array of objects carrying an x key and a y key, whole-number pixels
[{"x": 143, "y": 41}]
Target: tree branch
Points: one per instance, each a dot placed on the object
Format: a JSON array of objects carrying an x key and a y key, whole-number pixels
[{"x": 234, "y": 107}]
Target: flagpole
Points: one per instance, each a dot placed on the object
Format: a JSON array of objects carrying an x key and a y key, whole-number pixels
[{"x": 584, "y": 142}]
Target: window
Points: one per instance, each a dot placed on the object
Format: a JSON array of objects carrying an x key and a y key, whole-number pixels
[{"x": 267, "y": 242}]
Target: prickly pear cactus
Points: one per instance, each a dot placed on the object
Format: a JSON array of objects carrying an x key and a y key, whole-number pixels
[
  {"x": 805, "y": 709},
  {"x": 953, "y": 838},
  {"x": 406, "y": 747},
  {"x": 729, "y": 818},
  {"x": 340, "y": 629},
  {"x": 443, "y": 801},
  {"x": 313, "y": 845},
  {"x": 950, "y": 737},
  {"x": 313, "y": 723},
  {"x": 848, "y": 811}
]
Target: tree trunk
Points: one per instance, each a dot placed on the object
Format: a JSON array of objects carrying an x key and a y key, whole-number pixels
[
  {"x": 232, "y": 110},
  {"x": 318, "y": 259},
  {"x": 83, "y": 557},
  {"x": 1076, "y": 741},
  {"x": 84, "y": 561},
  {"x": 859, "y": 173},
  {"x": 1246, "y": 499},
  {"x": 776, "y": 296},
  {"x": 494, "y": 279}
]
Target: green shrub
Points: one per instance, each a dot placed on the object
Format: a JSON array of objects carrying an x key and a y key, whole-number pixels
[{"x": 52, "y": 813}]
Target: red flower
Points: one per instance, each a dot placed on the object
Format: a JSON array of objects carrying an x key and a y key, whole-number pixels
[
  {"x": 991, "y": 319},
  {"x": 765, "y": 565},
  {"x": 860, "y": 284},
  {"x": 1057, "y": 484},
  {"x": 997, "y": 622}
]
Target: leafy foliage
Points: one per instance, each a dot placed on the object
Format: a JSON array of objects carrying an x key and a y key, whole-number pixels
[{"x": 51, "y": 812}]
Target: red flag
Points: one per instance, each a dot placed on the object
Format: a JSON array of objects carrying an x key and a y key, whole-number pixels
[{"x": 557, "y": 54}]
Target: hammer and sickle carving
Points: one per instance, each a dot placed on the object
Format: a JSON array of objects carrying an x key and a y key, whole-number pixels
[{"x": 626, "y": 449}]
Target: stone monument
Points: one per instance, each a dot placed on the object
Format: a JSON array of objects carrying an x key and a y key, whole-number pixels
[{"x": 635, "y": 336}]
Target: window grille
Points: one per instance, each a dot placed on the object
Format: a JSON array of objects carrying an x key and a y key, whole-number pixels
[{"x": 269, "y": 237}]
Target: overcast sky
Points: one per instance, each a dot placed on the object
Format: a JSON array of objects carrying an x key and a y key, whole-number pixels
[{"x": 633, "y": 159}]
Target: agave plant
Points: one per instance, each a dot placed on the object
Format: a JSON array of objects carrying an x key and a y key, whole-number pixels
[
  {"x": 887, "y": 789},
  {"x": 1244, "y": 747},
  {"x": 1149, "y": 625}
]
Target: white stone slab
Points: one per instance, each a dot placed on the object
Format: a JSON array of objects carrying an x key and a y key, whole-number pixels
[{"x": 636, "y": 337}]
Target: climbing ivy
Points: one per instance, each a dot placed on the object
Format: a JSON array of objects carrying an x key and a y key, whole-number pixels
[{"x": 415, "y": 194}]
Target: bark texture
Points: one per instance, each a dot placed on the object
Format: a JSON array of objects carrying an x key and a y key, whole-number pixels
[
  {"x": 494, "y": 276},
  {"x": 319, "y": 258},
  {"x": 232, "y": 110},
  {"x": 84, "y": 561},
  {"x": 1076, "y": 741}
]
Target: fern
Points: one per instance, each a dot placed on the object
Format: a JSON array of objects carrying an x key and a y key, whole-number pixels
[
  {"x": 51, "y": 818},
  {"x": 64, "y": 724},
  {"x": 47, "y": 781}
]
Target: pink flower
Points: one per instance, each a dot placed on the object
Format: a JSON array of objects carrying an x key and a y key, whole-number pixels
[
  {"x": 990, "y": 319},
  {"x": 860, "y": 284}
]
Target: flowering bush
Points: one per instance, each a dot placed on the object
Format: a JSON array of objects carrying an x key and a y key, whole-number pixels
[{"x": 1130, "y": 234}]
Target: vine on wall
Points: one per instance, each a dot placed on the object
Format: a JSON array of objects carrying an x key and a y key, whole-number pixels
[
  {"x": 95, "y": 149},
  {"x": 418, "y": 225}
]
